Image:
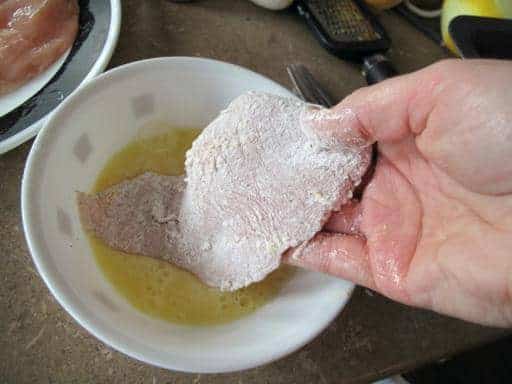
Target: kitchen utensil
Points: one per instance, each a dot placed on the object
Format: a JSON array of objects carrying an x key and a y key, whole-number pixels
[
  {"x": 483, "y": 37},
  {"x": 347, "y": 29},
  {"x": 307, "y": 87}
]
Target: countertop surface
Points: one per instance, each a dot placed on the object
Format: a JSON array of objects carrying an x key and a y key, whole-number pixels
[{"x": 373, "y": 337}]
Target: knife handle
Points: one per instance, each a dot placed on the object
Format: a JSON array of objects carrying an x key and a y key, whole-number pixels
[{"x": 377, "y": 68}]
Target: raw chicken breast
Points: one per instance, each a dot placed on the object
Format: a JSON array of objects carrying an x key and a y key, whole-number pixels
[
  {"x": 258, "y": 182},
  {"x": 33, "y": 35}
]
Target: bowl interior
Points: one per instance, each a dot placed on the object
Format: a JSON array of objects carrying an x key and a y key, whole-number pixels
[{"x": 67, "y": 156}]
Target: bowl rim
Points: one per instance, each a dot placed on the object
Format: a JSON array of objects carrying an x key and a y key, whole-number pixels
[{"x": 71, "y": 302}]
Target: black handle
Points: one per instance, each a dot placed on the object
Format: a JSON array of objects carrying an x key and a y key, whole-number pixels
[
  {"x": 377, "y": 68},
  {"x": 482, "y": 37}
]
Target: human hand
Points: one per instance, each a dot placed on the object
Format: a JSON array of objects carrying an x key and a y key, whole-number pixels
[{"x": 433, "y": 228}]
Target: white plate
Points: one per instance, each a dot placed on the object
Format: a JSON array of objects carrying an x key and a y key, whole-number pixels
[
  {"x": 92, "y": 124},
  {"x": 23, "y": 123},
  {"x": 14, "y": 99}
]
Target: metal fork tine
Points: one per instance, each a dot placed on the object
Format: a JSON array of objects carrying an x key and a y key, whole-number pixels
[{"x": 307, "y": 86}]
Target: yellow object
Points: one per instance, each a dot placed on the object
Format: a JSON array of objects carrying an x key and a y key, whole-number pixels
[
  {"x": 159, "y": 288},
  {"x": 453, "y": 8},
  {"x": 383, "y": 4}
]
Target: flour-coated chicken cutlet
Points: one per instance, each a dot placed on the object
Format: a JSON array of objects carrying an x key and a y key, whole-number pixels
[{"x": 258, "y": 182}]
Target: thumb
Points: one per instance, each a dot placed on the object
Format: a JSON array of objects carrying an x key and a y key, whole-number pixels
[{"x": 388, "y": 111}]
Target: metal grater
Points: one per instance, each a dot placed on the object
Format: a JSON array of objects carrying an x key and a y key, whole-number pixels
[
  {"x": 343, "y": 20},
  {"x": 345, "y": 27}
]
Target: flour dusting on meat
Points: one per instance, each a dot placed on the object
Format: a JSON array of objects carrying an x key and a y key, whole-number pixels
[{"x": 257, "y": 184}]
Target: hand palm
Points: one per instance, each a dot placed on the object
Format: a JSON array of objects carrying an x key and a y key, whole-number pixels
[
  {"x": 428, "y": 240},
  {"x": 437, "y": 215}
]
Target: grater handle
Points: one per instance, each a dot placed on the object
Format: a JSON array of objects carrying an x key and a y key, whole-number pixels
[{"x": 377, "y": 68}]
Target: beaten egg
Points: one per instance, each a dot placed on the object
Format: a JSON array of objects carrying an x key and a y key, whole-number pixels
[{"x": 158, "y": 288}]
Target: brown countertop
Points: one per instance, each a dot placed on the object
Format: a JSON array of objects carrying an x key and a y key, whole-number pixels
[{"x": 373, "y": 337}]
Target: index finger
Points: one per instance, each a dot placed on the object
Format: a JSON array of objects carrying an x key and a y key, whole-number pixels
[{"x": 344, "y": 256}]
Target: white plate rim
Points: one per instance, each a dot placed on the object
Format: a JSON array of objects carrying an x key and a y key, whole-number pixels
[
  {"x": 98, "y": 67},
  {"x": 88, "y": 321}
]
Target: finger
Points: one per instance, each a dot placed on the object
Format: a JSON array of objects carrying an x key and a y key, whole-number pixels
[
  {"x": 336, "y": 254},
  {"x": 388, "y": 111},
  {"x": 346, "y": 220},
  {"x": 392, "y": 226}
]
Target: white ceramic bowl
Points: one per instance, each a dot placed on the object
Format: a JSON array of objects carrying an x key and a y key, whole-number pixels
[{"x": 98, "y": 120}]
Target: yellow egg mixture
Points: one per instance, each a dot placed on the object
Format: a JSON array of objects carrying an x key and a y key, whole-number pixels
[{"x": 159, "y": 288}]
